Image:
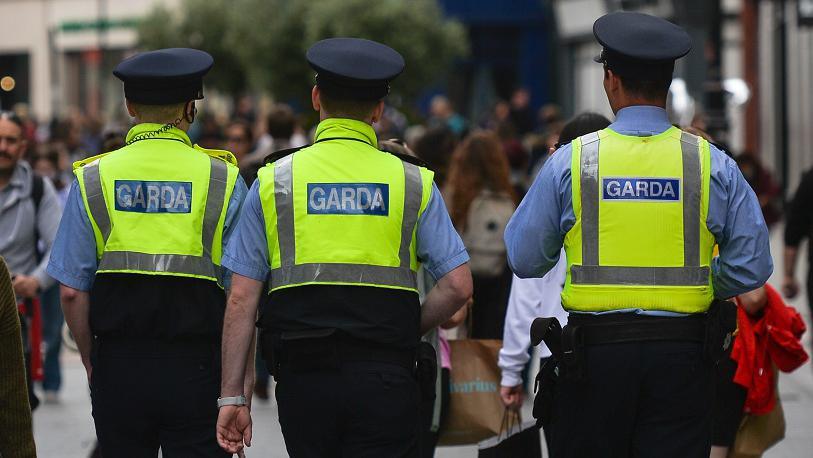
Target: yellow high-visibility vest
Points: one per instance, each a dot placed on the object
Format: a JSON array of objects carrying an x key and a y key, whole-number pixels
[
  {"x": 158, "y": 205},
  {"x": 342, "y": 212},
  {"x": 640, "y": 238}
]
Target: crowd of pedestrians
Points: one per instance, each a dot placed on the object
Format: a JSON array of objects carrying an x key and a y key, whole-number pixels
[{"x": 483, "y": 167}]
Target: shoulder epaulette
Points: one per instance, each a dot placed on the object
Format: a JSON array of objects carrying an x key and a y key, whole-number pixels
[
  {"x": 223, "y": 155},
  {"x": 411, "y": 159},
  {"x": 83, "y": 162},
  {"x": 277, "y": 155}
]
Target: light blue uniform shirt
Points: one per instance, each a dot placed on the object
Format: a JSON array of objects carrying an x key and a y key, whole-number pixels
[
  {"x": 536, "y": 232},
  {"x": 439, "y": 247},
  {"x": 73, "y": 256}
]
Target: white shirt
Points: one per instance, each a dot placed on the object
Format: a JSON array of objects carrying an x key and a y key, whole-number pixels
[{"x": 530, "y": 298}]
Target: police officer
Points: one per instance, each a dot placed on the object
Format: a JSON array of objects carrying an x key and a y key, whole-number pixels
[
  {"x": 138, "y": 255},
  {"x": 338, "y": 229},
  {"x": 638, "y": 207}
]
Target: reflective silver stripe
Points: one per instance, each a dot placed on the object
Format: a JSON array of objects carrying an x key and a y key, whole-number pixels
[
  {"x": 169, "y": 263},
  {"x": 284, "y": 202},
  {"x": 215, "y": 199},
  {"x": 589, "y": 198},
  {"x": 646, "y": 276},
  {"x": 343, "y": 273},
  {"x": 95, "y": 198},
  {"x": 413, "y": 193},
  {"x": 692, "y": 184}
]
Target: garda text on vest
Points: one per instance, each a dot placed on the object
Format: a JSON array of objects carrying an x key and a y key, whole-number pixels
[
  {"x": 153, "y": 196},
  {"x": 641, "y": 189},
  {"x": 348, "y": 199}
]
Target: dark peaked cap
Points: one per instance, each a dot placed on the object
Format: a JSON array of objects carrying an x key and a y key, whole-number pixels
[
  {"x": 636, "y": 42},
  {"x": 354, "y": 68},
  {"x": 164, "y": 76}
]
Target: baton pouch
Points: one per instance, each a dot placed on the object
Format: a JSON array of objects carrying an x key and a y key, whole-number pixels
[
  {"x": 426, "y": 370},
  {"x": 267, "y": 351},
  {"x": 546, "y": 330},
  {"x": 721, "y": 322},
  {"x": 573, "y": 366},
  {"x": 545, "y": 389}
]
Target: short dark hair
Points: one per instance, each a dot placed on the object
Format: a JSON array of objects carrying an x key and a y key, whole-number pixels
[
  {"x": 281, "y": 122},
  {"x": 649, "y": 81},
  {"x": 582, "y": 124},
  {"x": 347, "y": 108}
]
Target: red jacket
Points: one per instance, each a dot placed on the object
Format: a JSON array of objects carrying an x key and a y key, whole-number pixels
[{"x": 772, "y": 339}]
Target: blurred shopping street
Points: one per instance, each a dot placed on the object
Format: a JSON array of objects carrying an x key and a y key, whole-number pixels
[{"x": 66, "y": 430}]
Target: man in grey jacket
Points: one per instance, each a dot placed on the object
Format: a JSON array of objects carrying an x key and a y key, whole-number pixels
[
  {"x": 22, "y": 220},
  {"x": 29, "y": 216}
]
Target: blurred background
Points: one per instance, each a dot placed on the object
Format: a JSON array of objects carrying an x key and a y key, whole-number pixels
[{"x": 746, "y": 82}]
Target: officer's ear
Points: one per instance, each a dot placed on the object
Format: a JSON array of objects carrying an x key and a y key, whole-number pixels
[
  {"x": 315, "y": 101},
  {"x": 190, "y": 111},
  {"x": 130, "y": 109},
  {"x": 378, "y": 112},
  {"x": 611, "y": 80}
]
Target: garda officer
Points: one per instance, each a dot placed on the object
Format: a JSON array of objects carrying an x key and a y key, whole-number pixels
[
  {"x": 638, "y": 207},
  {"x": 138, "y": 256},
  {"x": 338, "y": 229}
]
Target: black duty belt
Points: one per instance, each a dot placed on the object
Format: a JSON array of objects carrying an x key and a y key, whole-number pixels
[
  {"x": 156, "y": 348},
  {"x": 340, "y": 348},
  {"x": 630, "y": 327}
]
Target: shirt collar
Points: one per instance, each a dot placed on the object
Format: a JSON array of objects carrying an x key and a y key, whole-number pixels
[
  {"x": 148, "y": 131},
  {"x": 346, "y": 128},
  {"x": 21, "y": 175},
  {"x": 641, "y": 120}
]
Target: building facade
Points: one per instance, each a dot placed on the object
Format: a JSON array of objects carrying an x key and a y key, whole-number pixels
[{"x": 57, "y": 55}]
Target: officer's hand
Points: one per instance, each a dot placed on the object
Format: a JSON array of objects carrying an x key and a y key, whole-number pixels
[
  {"x": 26, "y": 286},
  {"x": 512, "y": 396},
  {"x": 753, "y": 301},
  {"x": 790, "y": 287},
  {"x": 234, "y": 428}
]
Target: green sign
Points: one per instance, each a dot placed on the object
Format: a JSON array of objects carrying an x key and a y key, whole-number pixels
[{"x": 98, "y": 24}]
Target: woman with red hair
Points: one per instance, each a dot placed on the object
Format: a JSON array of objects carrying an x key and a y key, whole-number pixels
[{"x": 481, "y": 200}]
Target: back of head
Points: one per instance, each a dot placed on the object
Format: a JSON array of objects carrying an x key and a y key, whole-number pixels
[
  {"x": 582, "y": 124},
  {"x": 158, "y": 114},
  {"x": 162, "y": 86},
  {"x": 477, "y": 164},
  {"x": 652, "y": 85},
  {"x": 352, "y": 76},
  {"x": 335, "y": 106},
  {"x": 435, "y": 147},
  {"x": 640, "y": 50},
  {"x": 281, "y": 122}
]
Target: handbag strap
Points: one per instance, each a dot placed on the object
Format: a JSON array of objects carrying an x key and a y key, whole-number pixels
[{"x": 510, "y": 421}]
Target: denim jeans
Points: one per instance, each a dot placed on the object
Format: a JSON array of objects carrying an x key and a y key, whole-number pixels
[{"x": 52, "y": 320}]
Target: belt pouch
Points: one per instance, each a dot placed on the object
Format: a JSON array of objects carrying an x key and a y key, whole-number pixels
[{"x": 426, "y": 370}]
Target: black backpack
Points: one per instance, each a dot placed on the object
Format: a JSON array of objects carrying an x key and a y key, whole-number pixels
[{"x": 37, "y": 190}]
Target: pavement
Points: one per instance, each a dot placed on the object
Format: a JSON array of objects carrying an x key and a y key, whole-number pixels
[{"x": 65, "y": 430}]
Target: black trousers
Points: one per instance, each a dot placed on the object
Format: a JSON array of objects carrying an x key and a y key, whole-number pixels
[
  {"x": 641, "y": 399},
  {"x": 143, "y": 403},
  {"x": 359, "y": 410},
  {"x": 490, "y": 304},
  {"x": 728, "y": 404},
  {"x": 429, "y": 438}
]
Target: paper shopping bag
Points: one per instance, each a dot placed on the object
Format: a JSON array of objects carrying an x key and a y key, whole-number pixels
[{"x": 475, "y": 408}]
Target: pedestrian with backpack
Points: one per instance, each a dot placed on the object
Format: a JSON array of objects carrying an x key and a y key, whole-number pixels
[
  {"x": 481, "y": 200},
  {"x": 29, "y": 215}
]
